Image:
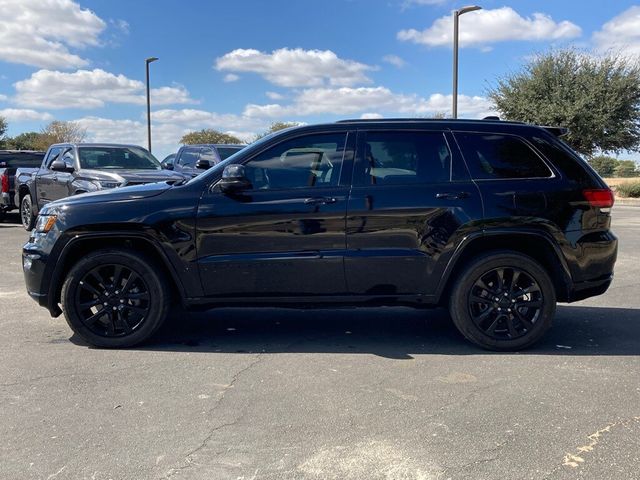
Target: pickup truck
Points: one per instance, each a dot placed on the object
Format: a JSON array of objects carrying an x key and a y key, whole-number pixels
[
  {"x": 74, "y": 168},
  {"x": 10, "y": 161},
  {"x": 192, "y": 160}
]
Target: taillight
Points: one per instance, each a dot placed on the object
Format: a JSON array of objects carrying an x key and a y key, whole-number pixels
[
  {"x": 5, "y": 183},
  {"x": 599, "y": 197}
]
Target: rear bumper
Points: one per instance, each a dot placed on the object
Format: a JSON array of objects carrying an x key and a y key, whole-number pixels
[{"x": 592, "y": 288}]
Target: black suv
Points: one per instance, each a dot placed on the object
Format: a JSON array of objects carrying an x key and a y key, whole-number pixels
[{"x": 495, "y": 220}]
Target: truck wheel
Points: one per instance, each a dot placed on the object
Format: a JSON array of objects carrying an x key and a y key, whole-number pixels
[
  {"x": 503, "y": 301},
  {"x": 115, "y": 298},
  {"x": 26, "y": 213}
]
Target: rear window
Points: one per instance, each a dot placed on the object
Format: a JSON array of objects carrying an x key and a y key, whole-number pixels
[
  {"x": 226, "y": 152},
  {"x": 491, "y": 156},
  {"x": 21, "y": 160}
]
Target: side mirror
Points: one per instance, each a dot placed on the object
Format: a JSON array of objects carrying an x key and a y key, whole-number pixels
[
  {"x": 234, "y": 179},
  {"x": 167, "y": 166},
  {"x": 61, "y": 166},
  {"x": 203, "y": 164}
]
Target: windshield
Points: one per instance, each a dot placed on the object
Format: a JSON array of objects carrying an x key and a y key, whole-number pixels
[
  {"x": 112, "y": 158},
  {"x": 226, "y": 152}
]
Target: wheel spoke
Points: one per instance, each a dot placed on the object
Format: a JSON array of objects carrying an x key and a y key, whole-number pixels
[
  {"x": 513, "y": 333},
  {"x": 139, "y": 311},
  {"x": 529, "y": 304},
  {"x": 492, "y": 328},
  {"x": 95, "y": 317},
  {"x": 500, "y": 275},
  {"x": 96, "y": 276},
  {"x": 117, "y": 276},
  {"x": 483, "y": 316},
  {"x": 480, "y": 283},
  {"x": 136, "y": 296},
  {"x": 477, "y": 299},
  {"x": 130, "y": 280},
  {"x": 121, "y": 322},
  {"x": 92, "y": 303},
  {"x": 514, "y": 280},
  {"x": 528, "y": 325},
  {"x": 89, "y": 288}
]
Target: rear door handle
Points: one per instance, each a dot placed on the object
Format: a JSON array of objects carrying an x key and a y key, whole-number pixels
[
  {"x": 451, "y": 195},
  {"x": 319, "y": 200}
]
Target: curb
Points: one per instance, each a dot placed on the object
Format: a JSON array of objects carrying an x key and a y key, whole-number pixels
[{"x": 627, "y": 202}]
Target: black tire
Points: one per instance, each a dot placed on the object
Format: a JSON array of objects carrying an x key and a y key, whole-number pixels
[
  {"x": 497, "y": 313},
  {"x": 27, "y": 216},
  {"x": 115, "y": 298}
]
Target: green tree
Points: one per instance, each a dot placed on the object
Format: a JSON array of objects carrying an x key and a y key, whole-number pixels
[
  {"x": 626, "y": 168},
  {"x": 208, "y": 135},
  {"x": 597, "y": 98},
  {"x": 3, "y": 129},
  {"x": 25, "y": 141},
  {"x": 604, "y": 165},
  {"x": 60, "y": 132},
  {"x": 276, "y": 126}
]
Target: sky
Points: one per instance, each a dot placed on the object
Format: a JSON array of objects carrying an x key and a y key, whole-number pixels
[{"x": 238, "y": 66}]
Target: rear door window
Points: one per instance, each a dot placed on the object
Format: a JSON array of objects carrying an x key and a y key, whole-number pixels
[
  {"x": 403, "y": 158},
  {"x": 189, "y": 157},
  {"x": 491, "y": 156}
]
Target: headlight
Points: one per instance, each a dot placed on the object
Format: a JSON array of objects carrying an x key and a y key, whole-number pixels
[
  {"x": 106, "y": 184},
  {"x": 45, "y": 223}
]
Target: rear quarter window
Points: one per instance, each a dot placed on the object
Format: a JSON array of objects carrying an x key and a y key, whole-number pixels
[{"x": 491, "y": 156}]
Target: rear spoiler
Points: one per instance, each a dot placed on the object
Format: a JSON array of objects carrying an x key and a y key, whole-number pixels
[{"x": 557, "y": 131}]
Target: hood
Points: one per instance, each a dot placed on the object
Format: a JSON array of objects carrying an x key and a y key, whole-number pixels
[
  {"x": 131, "y": 177},
  {"x": 111, "y": 195}
]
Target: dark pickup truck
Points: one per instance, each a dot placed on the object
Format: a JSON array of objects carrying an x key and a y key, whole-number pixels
[
  {"x": 70, "y": 169},
  {"x": 10, "y": 161}
]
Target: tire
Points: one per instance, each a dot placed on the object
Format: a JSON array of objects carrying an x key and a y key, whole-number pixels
[
  {"x": 27, "y": 217},
  {"x": 496, "y": 313},
  {"x": 115, "y": 298}
]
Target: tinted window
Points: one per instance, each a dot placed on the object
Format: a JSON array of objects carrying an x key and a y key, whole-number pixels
[
  {"x": 226, "y": 152},
  {"x": 491, "y": 156},
  {"x": 189, "y": 157},
  {"x": 207, "y": 153},
  {"x": 20, "y": 159},
  {"x": 404, "y": 158},
  {"x": 54, "y": 153},
  {"x": 310, "y": 161},
  {"x": 104, "y": 158}
]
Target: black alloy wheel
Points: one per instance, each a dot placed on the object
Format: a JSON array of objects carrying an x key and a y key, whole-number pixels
[
  {"x": 115, "y": 298},
  {"x": 503, "y": 300},
  {"x": 505, "y": 303},
  {"x": 112, "y": 300}
]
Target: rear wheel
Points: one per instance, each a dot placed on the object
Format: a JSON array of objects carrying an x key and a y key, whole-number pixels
[
  {"x": 503, "y": 301},
  {"x": 26, "y": 213},
  {"x": 115, "y": 298}
]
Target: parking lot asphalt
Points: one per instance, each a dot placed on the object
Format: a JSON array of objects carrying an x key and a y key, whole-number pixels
[{"x": 387, "y": 393}]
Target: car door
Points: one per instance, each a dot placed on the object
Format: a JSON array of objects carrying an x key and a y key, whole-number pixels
[
  {"x": 186, "y": 162},
  {"x": 46, "y": 178},
  {"x": 286, "y": 235},
  {"x": 62, "y": 184},
  {"x": 411, "y": 201}
]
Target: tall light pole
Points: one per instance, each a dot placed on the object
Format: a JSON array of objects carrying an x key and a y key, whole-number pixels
[
  {"x": 147, "y": 62},
  {"x": 456, "y": 15}
]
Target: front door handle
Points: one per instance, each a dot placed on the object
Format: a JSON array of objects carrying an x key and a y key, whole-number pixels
[
  {"x": 319, "y": 200},
  {"x": 452, "y": 195}
]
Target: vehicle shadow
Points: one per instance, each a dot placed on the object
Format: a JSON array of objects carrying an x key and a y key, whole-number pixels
[
  {"x": 10, "y": 220},
  {"x": 398, "y": 333}
]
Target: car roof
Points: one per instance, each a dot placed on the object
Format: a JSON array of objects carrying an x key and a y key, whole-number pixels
[
  {"x": 110, "y": 145},
  {"x": 240, "y": 145}
]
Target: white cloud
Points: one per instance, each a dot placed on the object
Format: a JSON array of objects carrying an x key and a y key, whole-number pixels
[
  {"x": 3, "y": 98},
  {"x": 90, "y": 89},
  {"x": 371, "y": 116},
  {"x": 408, "y": 3},
  {"x": 275, "y": 95},
  {"x": 231, "y": 77},
  {"x": 296, "y": 67},
  {"x": 394, "y": 60},
  {"x": 362, "y": 100},
  {"x": 620, "y": 34},
  {"x": 24, "y": 115},
  {"x": 41, "y": 32},
  {"x": 484, "y": 27},
  {"x": 168, "y": 126}
]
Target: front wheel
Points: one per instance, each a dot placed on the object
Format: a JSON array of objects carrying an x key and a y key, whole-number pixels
[
  {"x": 26, "y": 213},
  {"x": 115, "y": 298},
  {"x": 503, "y": 301}
]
